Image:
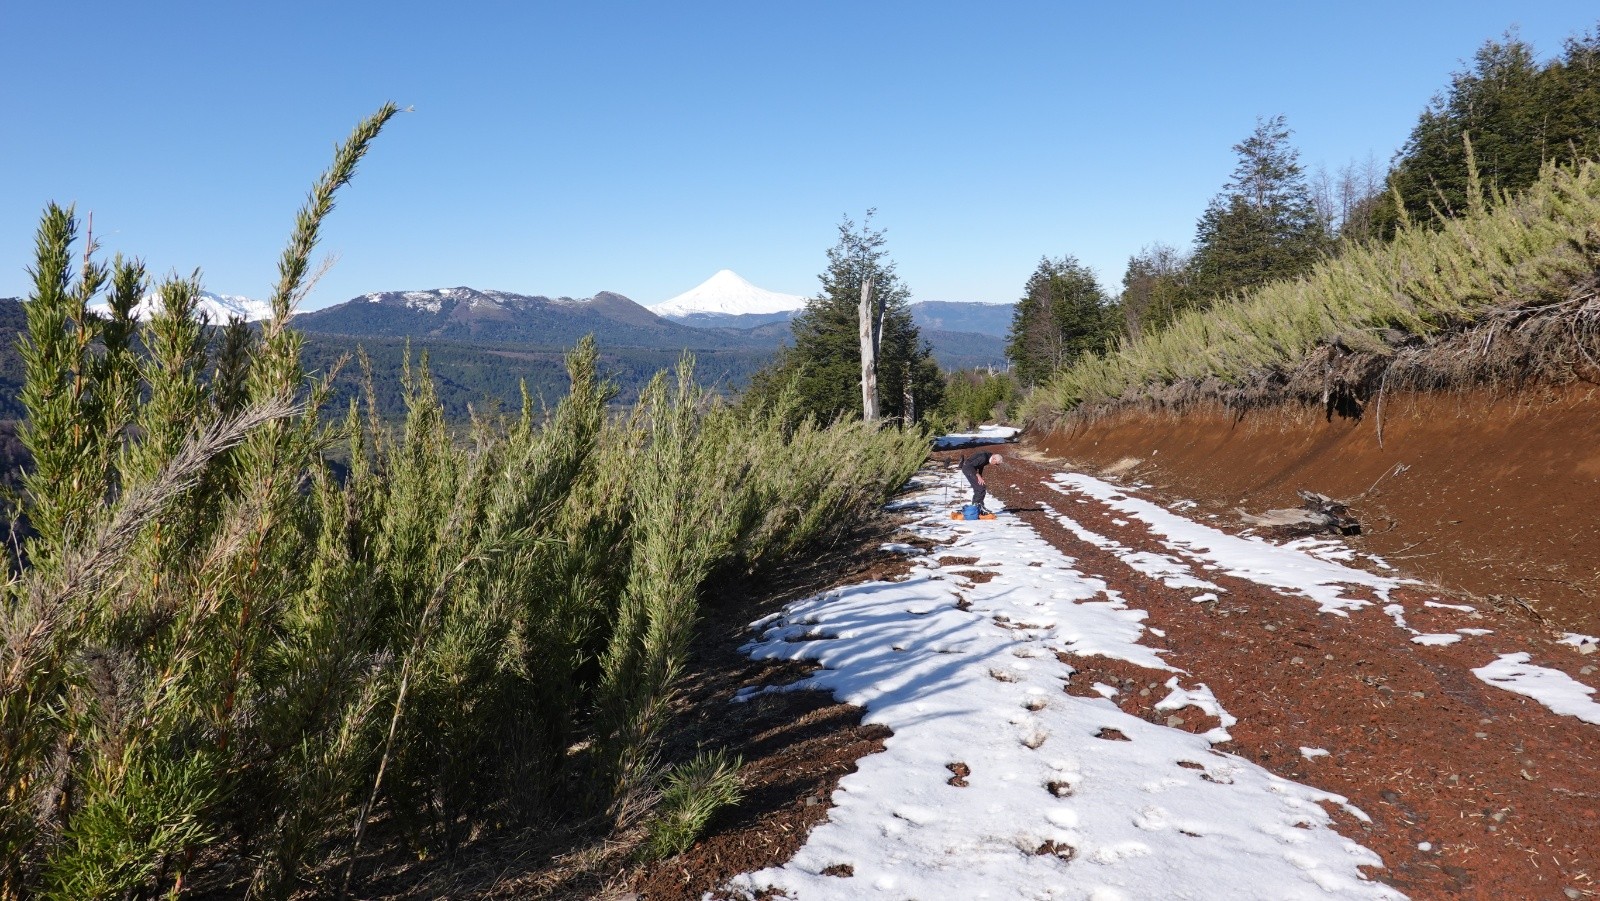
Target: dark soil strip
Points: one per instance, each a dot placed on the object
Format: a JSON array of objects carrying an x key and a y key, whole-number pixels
[{"x": 796, "y": 745}]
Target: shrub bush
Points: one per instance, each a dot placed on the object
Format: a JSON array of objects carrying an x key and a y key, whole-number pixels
[{"x": 221, "y": 642}]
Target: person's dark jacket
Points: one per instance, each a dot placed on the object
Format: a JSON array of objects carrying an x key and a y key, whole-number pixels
[{"x": 974, "y": 464}]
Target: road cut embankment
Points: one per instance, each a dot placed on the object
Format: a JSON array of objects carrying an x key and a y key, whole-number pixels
[{"x": 1490, "y": 493}]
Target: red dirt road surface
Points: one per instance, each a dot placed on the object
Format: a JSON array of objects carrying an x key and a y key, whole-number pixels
[{"x": 1474, "y": 792}]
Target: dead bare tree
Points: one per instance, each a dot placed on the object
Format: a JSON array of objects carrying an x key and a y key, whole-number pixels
[{"x": 871, "y": 333}]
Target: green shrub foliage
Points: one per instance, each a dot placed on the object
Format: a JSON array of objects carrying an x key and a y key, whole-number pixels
[
  {"x": 224, "y": 649},
  {"x": 1520, "y": 255},
  {"x": 690, "y": 795},
  {"x": 975, "y": 396}
]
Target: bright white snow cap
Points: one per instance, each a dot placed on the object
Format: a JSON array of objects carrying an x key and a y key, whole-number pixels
[
  {"x": 996, "y": 458},
  {"x": 727, "y": 293}
]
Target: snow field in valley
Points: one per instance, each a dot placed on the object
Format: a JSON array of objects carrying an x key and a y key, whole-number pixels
[{"x": 996, "y": 783}]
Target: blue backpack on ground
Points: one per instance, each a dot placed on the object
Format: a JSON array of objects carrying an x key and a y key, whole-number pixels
[{"x": 970, "y": 511}]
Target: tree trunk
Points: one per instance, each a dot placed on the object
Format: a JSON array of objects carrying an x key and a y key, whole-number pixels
[
  {"x": 870, "y": 326},
  {"x": 908, "y": 402}
]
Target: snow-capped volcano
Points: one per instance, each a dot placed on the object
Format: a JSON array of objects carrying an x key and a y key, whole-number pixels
[
  {"x": 727, "y": 294},
  {"x": 217, "y": 308}
]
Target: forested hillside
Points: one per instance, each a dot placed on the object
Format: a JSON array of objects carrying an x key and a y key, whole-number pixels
[
  {"x": 488, "y": 376},
  {"x": 12, "y": 324}
]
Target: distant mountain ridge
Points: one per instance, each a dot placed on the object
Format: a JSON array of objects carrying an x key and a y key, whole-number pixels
[
  {"x": 471, "y": 314},
  {"x": 733, "y": 320},
  {"x": 484, "y": 342},
  {"x": 502, "y": 317},
  {"x": 955, "y": 316},
  {"x": 217, "y": 308}
]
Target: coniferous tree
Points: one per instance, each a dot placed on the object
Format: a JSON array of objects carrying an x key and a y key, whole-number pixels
[
  {"x": 1516, "y": 114},
  {"x": 1570, "y": 91},
  {"x": 1063, "y": 315},
  {"x": 1264, "y": 225},
  {"x": 825, "y": 362}
]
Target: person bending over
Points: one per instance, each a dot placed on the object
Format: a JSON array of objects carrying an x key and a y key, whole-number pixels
[{"x": 972, "y": 467}]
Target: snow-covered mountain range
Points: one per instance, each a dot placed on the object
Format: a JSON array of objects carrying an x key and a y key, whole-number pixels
[
  {"x": 217, "y": 308},
  {"x": 725, "y": 312},
  {"x": 503, "y": 317}
]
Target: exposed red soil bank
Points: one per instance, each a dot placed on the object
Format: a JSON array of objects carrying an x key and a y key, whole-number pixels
[{"x": 1500, "y": 495}]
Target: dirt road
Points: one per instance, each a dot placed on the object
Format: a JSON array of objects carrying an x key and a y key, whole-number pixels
[
  {"x": 1474, "y": 791},
  {"x": 1341, "y": 676}
]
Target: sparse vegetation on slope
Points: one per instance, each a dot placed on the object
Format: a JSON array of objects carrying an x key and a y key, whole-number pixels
[{"x": 1524, "y": 269}]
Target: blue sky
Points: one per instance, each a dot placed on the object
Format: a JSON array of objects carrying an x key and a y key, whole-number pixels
[{"x": 569, "y": 148}]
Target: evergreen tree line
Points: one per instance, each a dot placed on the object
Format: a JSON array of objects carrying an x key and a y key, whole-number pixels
[
  {"x": 1264, "y": 225},
  {"x": 1508, "y": 113},
  {"x": 1488, "y": 135},
  {"x": 222, "y": 661}
]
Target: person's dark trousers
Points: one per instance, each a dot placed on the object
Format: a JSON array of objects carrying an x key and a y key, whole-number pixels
[{"x": 978, "y": 491}]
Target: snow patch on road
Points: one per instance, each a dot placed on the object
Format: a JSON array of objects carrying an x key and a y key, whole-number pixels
[
  {"x": 1169, "y": 571},
  {"x": 1398, "y": 614},
  {"x": 1200, "y": 698},
  {"x": 1436, "y": 640},
  {"x": 1586, "y": 644},
  {"x": 1279, "y": 567},
  {"x": 1550, "y": 687},
  {"x": 986, "y": 434},
  {"x": 1064, "y": 796}
]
